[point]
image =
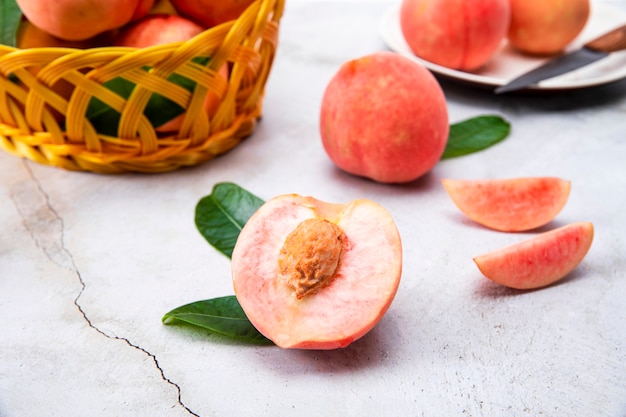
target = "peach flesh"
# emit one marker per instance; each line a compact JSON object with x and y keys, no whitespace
{"x":349,"y":305}
{"x":546,"y":27}
{"x":539,"y":261}
{"x":384,"y":117}
{"x":510,"y":205}
{"x":458,"y":34}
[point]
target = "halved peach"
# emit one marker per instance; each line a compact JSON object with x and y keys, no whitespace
{"x":510,"y":205}
{"x":316,"y":275}
{"x":538,"y":261}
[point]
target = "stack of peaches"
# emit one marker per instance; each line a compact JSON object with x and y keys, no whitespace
{"x":84,"y":24}
{"x":465,"y":34}
{"x":135,"y":23}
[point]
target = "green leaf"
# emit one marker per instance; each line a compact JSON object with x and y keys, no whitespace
{"x":104,"y":118}
{"x":221,"y":215}
{"x":221,"y":315}
{"x":10,"y":17}
{"x":475,"y":134}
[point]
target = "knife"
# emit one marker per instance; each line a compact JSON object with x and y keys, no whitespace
{"x":592,"y":51}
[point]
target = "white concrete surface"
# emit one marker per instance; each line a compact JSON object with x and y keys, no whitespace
{"x":90,"y":263}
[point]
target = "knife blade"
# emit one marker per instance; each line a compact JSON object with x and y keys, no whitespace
{"x":592,"y":51}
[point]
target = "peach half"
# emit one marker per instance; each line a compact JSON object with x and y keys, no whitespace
{"x":316,"y":275}
{"x":540,"y":260}
{"x":512,"y":204}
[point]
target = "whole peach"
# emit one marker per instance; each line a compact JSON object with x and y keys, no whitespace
{"x":77,"y":20}
{"x":30,"y":36}
{"x":211,"y":12}
{"x":458,"y":34}
{"x":545,"y":27}
{"x":384,"y":117}
{"x":158,"y":29}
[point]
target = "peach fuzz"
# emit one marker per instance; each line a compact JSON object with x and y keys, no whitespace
{"x":30,"y":36}
{"x":157,"y":29}
{"x":511,"y":204}
{"x":384,"y":116}
{"x":546,"y":27}
{"x":540,"y":260}
{"x":316,"y":275}
{"x":457,"y":34}
{"x":77,"y":20}
{"x":211,"y":12}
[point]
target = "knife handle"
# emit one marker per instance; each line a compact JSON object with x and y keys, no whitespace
{"x":613,"y":41}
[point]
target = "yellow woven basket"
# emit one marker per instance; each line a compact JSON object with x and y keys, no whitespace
{"x":41,"y":124}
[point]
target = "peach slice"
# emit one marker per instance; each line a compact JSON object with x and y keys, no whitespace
{"x":316,"y":275}
{"x":540,"y":260}
{"x":510,"y":205}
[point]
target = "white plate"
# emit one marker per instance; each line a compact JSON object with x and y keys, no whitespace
{"x":506,"y":64}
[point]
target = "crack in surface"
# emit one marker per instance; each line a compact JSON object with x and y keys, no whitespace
{"x":46,"y":228}
{"x":129,"y":343}
{"x":42,"y":222}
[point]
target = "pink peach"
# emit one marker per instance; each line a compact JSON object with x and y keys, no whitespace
{"x":77,"y":20}
{"x":157,"y":29}
{"x":211,"y":12}
{"x":458,"y":34}
{"x":384,"y":117}
{"x":545,"y":27}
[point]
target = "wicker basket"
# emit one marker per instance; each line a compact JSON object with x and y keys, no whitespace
{"x":39,"y":123}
